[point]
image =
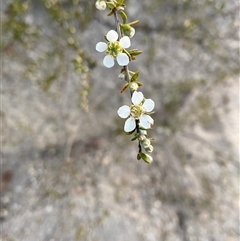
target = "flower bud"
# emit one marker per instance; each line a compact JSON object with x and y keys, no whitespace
{"x":142,"y":137}
{"x":143,"y":132}
{"x":100,"y":5}
{"x":128,"y":30}
{"x":148,"y":158}
{"x":119,"y":8}
{"x":149,"y":149}
{"x":121,"y":76}
{"x":133,"y":86}
{"x":146,"y":143}
{"x":132,"y":32}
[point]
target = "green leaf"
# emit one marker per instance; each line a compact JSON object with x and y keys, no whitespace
{"x":135,"y":137}
{"x":134,"y":52}
{"x":124,"y":87}
{"x":151,"y":112}
{"x":135,"y":76}
{"x":130,"y":133}
{"x":124,"y":16}
{"x":111,"y":12}
{"x":134,"y":22}
{"x":120,"y":2}
{"x":127,"y":53}
{"x":146,"y":158}
{"x":139,"y":156}
{"x":111,"y":5}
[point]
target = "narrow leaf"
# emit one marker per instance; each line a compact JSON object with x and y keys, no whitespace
{"x":135,"y":76}
{"x":110,"y":5}
{"x":111,"y":12}
{"x":120,"y":2}
{"x":139,"y":83}
{"x":124,"y":16}
{"x":139,"y":156}
{"x":124,"y":87}
{"x":134,"y":52}
{"x":135,"y":137}
{"x":134,"y":22}
{"x":130,"y":133}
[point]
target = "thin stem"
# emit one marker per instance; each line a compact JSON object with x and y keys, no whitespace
{"x":120,"y":35}
{"x":138,"y":131}
{"x":117,"y":23}
{"x":127,"y":74}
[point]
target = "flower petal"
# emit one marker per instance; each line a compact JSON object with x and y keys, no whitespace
{"x":124,"y":111}
{"x":122,"y":59}
{"x":132,"y":32}
{"x":148,"y":105}
{"x":108,"y":61}
{"x":125,"y":42}
{"x":137,"y":97}
{"x":130,"y":124}
{"x":101,"y":47}
{"x":146,"y":121}
{"x":112,"y":36}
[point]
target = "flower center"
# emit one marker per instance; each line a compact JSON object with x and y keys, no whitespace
{"x":136,"y":111}
{"x":114,"y":48}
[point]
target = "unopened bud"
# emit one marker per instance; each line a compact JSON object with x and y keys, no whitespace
{"x":132,"y":32}
{"x":142,"y":138}
{"x":146,"y":143}
{"x":143,"y":132}
{"x":100,"y":5}
{"x":148,"y":159}
{"x":121,"y":76}
{"x":133,"y":86}
{"x":128,"y":30}
{"x":149,"y":149}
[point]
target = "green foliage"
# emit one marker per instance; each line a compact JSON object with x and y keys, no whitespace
{"x":144,"y":157}
{"x":49,"y":63}
{"x":14,"y":27}
{"x":124,"y":16}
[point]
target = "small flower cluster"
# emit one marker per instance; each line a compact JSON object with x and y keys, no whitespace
{"x":116,"y":47}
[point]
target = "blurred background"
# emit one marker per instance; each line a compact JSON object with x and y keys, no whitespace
{"x":70,"y":173}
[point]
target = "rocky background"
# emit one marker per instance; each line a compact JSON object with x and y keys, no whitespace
{"x":69,"y":172}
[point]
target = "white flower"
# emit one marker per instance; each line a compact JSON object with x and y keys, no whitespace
{"x":114,"y":49}
{"x":100,"y":5}
{"x":138,"y":111}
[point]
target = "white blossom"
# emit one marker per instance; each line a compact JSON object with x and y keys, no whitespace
{"x":138,"y":111}
{"x":114,"y":49}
